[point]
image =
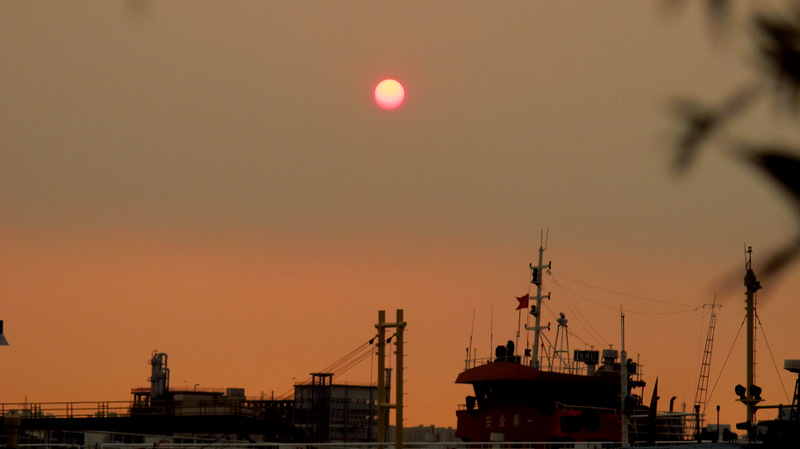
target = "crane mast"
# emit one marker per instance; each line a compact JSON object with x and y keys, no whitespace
{"x":701,"y":395}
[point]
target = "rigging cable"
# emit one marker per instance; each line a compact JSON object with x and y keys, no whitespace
{"x":585,"y":343}
{"x":694,"y":307}
{"x":772,"y":357}
{"x":577,"y":312}
{"x":711,"y":393}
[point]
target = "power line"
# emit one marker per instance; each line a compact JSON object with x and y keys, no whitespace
{"x":777,"y":371}
{"x":344,"y":364}
{"x":711,"y":393}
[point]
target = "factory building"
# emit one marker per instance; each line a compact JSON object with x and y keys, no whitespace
{"x":337,"y":412}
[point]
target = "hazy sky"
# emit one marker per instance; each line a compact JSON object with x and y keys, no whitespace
{"x":214,"y":180}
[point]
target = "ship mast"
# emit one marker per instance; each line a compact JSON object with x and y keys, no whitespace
{"x":623,"y":372}
{"x":752,"y":394}
{"x":536,"y":279}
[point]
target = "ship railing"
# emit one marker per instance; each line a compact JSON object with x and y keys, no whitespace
{"x":113,"y":409}
{"x":346,"y":383}
{"x":560,"y":405}
{"x":410,"y":445}
{"x":699,"y":429}
{"x":557,"y":365}
{"x":670,"y":426}
{"x":102,"y":409}
{"x":566,"y":366}
{"x":564,"y":406}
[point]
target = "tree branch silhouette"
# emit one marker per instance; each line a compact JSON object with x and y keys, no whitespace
{"x":776,"y":35}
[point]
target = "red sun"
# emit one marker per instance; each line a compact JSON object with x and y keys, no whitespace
{"x":389,"y":94}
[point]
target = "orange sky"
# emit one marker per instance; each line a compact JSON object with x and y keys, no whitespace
{"x":215,"y":182}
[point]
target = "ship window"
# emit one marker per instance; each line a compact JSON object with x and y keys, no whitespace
{"x":570,"y":424}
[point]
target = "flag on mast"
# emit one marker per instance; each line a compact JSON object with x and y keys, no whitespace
{"x":523,"y":302}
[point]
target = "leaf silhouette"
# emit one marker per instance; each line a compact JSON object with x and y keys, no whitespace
{"x":700,"y":122}
{"x":779,"y":47}
{"x":782,"y":167}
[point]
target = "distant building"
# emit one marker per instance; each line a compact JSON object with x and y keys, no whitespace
{"x":340,"y":412}
{"x":426,"y":434}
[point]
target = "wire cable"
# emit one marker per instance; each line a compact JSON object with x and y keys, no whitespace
{"x":694,"y":307}
{"x":777,"y":372}
{"x":349,"y":360}
{"x":719,"y":376}
{"x":586,"y":323}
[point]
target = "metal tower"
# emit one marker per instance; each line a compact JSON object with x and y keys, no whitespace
{"x":560,"y":362}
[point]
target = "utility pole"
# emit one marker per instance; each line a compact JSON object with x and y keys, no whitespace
{"x":383,"y":404}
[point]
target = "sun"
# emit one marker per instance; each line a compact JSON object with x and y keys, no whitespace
{"x":389,"y":94}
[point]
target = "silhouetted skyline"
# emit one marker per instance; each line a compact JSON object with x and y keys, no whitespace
{"x":215,"y":181}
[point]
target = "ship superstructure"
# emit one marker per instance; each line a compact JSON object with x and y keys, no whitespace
{"x":549,"y":394}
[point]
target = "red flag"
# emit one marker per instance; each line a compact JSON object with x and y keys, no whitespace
{"x":523,"y":302}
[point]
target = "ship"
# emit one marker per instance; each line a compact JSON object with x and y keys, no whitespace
{"x":553,"y":395}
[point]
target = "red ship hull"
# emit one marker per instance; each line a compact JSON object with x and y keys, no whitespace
{"x":515,"y":402}
{"x":513,"y":424}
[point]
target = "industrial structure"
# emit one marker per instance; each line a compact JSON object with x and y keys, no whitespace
{"x":179,"y":415}
{"x":321,"y":411}
{"x":337,"y":412}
